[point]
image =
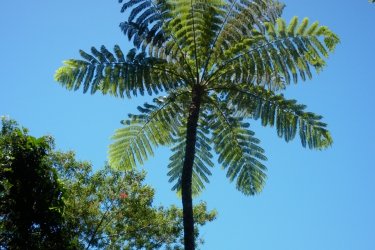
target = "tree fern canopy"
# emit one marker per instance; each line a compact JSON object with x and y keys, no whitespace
{"x":236,"y":56}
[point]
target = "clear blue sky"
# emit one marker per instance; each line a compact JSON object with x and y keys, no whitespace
{"x":312,"y":200}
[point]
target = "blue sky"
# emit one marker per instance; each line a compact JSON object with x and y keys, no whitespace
{"x":313,"y":200}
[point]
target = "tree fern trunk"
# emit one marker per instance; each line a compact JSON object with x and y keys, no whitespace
{"x":187,"y":171}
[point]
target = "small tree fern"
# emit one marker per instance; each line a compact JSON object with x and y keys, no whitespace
{"x":216,"y":64}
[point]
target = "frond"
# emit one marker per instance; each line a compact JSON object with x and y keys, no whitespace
{"x":278,"y":55}
{"x":241,"y":17}
{"x":202,"y":160}
{"x":239,"y":151}
{"x":116,"y":74}
{"x":143,"y":36}
{"x":145,"y":22}
{"x":148,"y":27}
{"x":194,"y":25}
{"x":153,"y":127}
{"x":287,"y":116}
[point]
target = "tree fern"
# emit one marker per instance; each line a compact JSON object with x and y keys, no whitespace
{"x":218,"y":64}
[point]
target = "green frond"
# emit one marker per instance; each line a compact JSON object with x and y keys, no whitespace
{"x":292,"y":26}
{"x":272,"y":57}
{"x":142,"y":36}
{"x":302,"y":27}
{"x":145,"y":22}
{"x":155,"y":126}
{"x":289,"y":117}
{"x":238,"y":150}
{"x":118,"y":76}
{"x":202,"y":160}
{"x":312,"y":29}
{"x":239,"y":21}
{"x":281,"y":27}
{"x":271,"y":30}
{"x":194,"y":25}
{"x":151,"y":27}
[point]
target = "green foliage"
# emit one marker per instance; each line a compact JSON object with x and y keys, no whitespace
{"x":153,"y":127}
{"x":116,"y":74}
{"x":274,"y":110}
{"x":109,"y":209}
{"x":271,"y":57}
{"x":241,"y":54}
{"x":238,"y":150}
{"x":49,"y":200}
{"x":31,"y":207}
{"x":202,"y":159}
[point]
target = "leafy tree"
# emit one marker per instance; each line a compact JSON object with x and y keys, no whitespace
{"x":31,"y":203}
{"x":109,"y":209}
{"x":214,"y":64}
{"x":51,"y":201}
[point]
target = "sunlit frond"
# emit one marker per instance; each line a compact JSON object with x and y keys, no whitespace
{"x":241,"y":17}
{"x":202,"y":160}
{"x":144,"y":25}
{"x":289,"y":117}
{"x":117,"y":74}
{"x":238,"y":150}
{"x":155,"y":126}
{"x":279,"y":54}
{"x":194,"y":26}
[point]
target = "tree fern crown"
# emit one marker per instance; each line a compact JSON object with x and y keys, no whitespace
{"x":241,"y":54}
